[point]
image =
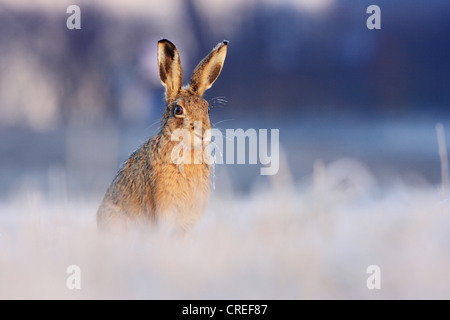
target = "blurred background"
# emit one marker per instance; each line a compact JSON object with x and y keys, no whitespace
{"x":359,"y":173}
{"x":75,"y":103}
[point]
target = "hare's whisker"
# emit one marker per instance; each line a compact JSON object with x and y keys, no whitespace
{"x":218,"y":97}
{"x":153,"y":124}
{"x":216,"y":123}
{"x":219,"y":100}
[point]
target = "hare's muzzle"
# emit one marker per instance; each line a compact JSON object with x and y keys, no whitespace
{"x":201,"y":140}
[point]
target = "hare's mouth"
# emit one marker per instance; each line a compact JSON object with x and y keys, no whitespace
{"x":198,"y":140}
{"x":197,"y":135}
{"x":205,"y":138}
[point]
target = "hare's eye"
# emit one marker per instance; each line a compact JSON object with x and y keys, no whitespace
{"x":178,"y":111}
{"x":209,"y":109}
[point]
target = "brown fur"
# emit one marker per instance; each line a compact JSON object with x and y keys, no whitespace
{"x":149,"y":187}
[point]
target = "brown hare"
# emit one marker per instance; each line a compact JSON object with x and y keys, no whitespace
{"x":151,"y":187}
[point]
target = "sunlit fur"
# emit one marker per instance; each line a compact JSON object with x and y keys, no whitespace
{"x":150,"y":188}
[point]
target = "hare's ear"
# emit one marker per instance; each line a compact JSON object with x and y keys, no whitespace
{"x":170,"y":71}
{"x":208,"y":69}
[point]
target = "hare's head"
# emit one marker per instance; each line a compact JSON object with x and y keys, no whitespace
{"x":185,"y":107}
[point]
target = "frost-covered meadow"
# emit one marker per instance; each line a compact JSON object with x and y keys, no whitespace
{"x":288,"y":237}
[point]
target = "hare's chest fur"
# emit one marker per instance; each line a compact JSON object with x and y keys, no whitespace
{"x":180,"y":193}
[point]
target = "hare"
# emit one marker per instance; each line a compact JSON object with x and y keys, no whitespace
{"x":150,"y":187}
